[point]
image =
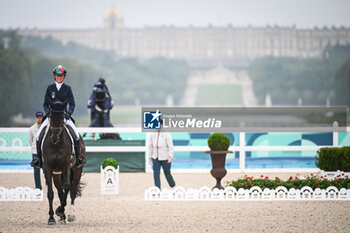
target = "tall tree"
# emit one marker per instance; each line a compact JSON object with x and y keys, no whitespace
{"x":15,"y":84}
{"x":342,"y":84}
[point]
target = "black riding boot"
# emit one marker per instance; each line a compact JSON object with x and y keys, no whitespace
{"x":81,"y":160}
{"x":37,"y":160}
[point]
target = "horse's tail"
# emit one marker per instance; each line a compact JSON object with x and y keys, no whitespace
{"x":77,"y":185}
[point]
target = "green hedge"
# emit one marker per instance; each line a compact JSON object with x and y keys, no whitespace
{"x":333,"y":159}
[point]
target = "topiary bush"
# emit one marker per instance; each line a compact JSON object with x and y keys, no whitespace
{"x":333,"y":159}
{"x":218,"y":142}
{"x":109,"y":162}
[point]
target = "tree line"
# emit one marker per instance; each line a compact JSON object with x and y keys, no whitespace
{"x":313,"y":80}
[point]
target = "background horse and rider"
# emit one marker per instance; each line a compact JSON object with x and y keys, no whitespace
{"x":100,"y":103}
{"x":60,"y":164}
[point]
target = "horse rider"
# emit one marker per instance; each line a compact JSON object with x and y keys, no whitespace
{"x":59,"y":91}
{"x":100,"y":85}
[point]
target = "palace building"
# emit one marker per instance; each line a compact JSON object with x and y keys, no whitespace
{"x":200,"y":46}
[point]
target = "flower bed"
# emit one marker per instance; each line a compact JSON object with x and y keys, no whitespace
{"x":312,"y":181}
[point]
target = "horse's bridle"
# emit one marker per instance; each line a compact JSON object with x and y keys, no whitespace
{"x":57,"y":131}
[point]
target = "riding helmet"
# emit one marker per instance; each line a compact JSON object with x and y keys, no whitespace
{"x":60,"y":70}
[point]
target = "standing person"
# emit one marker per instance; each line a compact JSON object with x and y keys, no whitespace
{"x":32,"y":142}
{"x":59,"y":91}
{"x":160,"y":154}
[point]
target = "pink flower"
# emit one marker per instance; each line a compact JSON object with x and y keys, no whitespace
{"x":251,"y":185}
{"x":291,"y":177}
{"x":321,"y":176}
{"x":262,"y":176}
{"x":236,"y":181}
{"x":342,"y":174}
{"x":266,"y":177}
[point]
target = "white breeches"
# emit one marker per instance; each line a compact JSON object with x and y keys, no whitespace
{"x":68,"y":122}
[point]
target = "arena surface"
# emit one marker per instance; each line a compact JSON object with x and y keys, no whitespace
{"x":128,"y":212}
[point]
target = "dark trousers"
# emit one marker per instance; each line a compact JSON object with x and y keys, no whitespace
{"x":37,"y":177}
{"x":166,"y":168}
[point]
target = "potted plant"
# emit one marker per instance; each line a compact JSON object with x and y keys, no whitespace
{"x":109,"y":177}
{"x":218,"y":144}
{"x":109,"y":162}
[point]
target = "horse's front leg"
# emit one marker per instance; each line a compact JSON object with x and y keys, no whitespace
{"x":50,"y":194}
{"x":63,"y":198}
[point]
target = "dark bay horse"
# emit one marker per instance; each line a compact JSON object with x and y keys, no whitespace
{"x":60,"y":164}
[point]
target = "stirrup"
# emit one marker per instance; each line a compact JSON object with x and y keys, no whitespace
{"x":35,"y":162}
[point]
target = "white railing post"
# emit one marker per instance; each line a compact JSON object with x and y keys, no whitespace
{"x":335,"y":134}
{"x":242,"y":151}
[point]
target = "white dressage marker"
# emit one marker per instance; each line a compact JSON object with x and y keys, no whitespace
{"x":109,"y":181}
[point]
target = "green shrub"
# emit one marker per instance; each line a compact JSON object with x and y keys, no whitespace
{"x":109,"y":162}
{"x":333,"y":159}
{"x":218,"y":142}
{"x":345,"y":160}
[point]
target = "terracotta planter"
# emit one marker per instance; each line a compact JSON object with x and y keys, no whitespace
{"x":218,"y":171}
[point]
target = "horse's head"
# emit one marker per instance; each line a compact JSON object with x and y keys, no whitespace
{"x":100,"y":93}
{"x":57,"y":120}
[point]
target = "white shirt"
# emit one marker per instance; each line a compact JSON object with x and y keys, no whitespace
{"x":160,"y":145}
{"x":32,"y":137}
{"x":58,"y":85}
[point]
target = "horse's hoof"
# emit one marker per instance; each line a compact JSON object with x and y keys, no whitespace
{"x":52,"y":221}
{"x":59,"y":211}
{"x":71,"y":218}
{"x":62,"y":221}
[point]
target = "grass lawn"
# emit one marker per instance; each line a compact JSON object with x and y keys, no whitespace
{"x":219,"y":95}
{"x":120,"y":116}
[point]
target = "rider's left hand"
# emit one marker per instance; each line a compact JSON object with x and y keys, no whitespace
{"x":67,"y":115}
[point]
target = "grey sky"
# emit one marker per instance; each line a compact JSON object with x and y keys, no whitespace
{"x":138,"y":13}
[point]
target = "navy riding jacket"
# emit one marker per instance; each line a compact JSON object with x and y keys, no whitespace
{"x":65,"y":93}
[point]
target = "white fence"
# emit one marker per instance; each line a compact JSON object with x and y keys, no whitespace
{"x":253,"y":194}
{"x":242,"y":148}
{"x":20,"y":194}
